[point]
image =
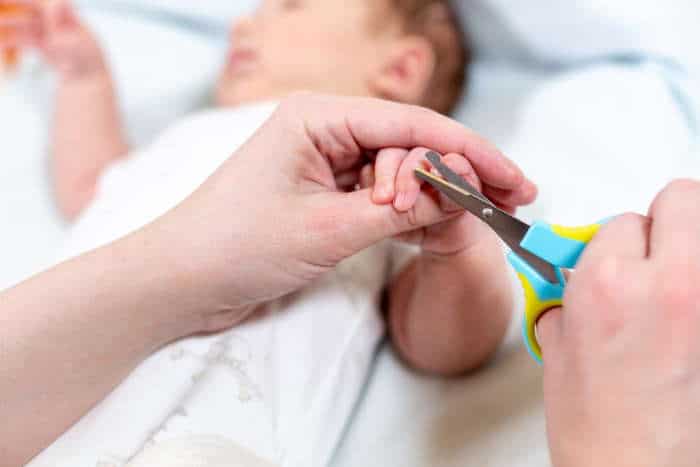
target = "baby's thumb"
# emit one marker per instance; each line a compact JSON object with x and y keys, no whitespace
{"x":549,"y":329}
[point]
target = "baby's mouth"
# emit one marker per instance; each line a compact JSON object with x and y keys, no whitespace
{"x":242,"y":60}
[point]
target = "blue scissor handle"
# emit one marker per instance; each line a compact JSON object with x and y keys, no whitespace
{"x":560,"y":246}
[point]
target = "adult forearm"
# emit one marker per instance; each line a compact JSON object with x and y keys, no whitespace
{"x":87,"y":137}
{"x":448,"y":314}
{"x":70,"y":335}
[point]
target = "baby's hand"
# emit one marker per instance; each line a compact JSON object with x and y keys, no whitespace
{"x":394,"y":182}
{"x":53,"y":27}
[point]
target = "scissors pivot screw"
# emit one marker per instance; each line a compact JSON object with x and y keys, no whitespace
{"x":487,"y":213}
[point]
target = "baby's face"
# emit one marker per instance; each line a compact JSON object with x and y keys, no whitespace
{"x":293,"y":45}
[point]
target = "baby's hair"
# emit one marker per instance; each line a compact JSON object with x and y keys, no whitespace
{"x":437,"y":22}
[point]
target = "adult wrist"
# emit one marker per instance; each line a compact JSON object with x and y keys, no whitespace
{"x":162,"y":295}
{"x":199,"y":286}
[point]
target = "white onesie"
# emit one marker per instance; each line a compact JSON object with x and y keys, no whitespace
{"x":280,"y":390}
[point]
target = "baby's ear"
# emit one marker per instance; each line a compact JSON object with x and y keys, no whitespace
{"x":406,"y":71}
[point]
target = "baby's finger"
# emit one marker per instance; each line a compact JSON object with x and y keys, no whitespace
{"x":25,"y":36}
{"x":386,"y":169}
{"x":65,"y":15}
{"x":407,"y":184}
{"x":462,"y":167}
{"x":58,"y":15}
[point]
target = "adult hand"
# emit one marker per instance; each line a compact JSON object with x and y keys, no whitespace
{"x":622,"y":360}
{"x":276,"y":215}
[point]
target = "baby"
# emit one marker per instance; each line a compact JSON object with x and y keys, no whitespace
{"x":447,"y":309}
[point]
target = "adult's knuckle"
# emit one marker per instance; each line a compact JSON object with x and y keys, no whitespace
{"x":601,"y":287}
{"x":605,"y":279}
{"x":677,"y":290}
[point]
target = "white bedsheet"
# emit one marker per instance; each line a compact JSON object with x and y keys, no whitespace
{"x":30,"y":229}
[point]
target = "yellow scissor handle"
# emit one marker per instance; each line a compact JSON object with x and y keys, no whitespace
{"x":540,"y":297}
{"x":535,"y":307}
{"x":559,"y":246}
{"x":582,"y":234}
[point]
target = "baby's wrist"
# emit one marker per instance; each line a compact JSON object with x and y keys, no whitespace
{"x":84,"y":75}
{"x":95,"y":84}
{"x":448,"y":257}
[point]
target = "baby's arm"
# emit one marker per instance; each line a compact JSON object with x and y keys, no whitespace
{"x":450,"y":308}
{"x":87,"y":136}
{"x":447,"y":315}
{"x":87,"y":133}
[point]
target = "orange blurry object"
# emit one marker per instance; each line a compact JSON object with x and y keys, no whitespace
{"x":9,"y":58}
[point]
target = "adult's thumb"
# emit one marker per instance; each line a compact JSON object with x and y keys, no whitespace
{"x":362,"y":223}
{"x":549,"y":332}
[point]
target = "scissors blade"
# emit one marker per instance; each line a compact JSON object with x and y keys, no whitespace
{"x":454,"y":178}
{"x":511,"y":230}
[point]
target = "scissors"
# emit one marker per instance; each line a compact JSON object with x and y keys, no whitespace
{"x":538,"y":251}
